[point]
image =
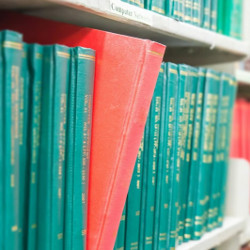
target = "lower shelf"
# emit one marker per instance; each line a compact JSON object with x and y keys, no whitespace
{"x":230,"y":228}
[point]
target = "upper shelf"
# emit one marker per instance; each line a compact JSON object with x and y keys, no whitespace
{"x":186,"y":43}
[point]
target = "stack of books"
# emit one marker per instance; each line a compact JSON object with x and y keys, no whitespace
{"x":222,"y":16}
{"x":46,"y":113}
{"x":240,"y":145}
{"x":177,"y":190}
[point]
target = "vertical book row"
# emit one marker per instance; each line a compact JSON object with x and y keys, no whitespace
{"x":45,"y":113}
{"x":177,"y":190}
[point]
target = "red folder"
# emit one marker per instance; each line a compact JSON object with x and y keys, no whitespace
{"x":126,"y":73}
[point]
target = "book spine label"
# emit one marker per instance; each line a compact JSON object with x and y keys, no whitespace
{"x":158,"y":6}
{"x":134,"y":202}
{"x":206,"y":14}
{"x":61,"y":83}
{"x":214,"y":15}
{"x":12,"y":58}
{"x":178,"y":157}
{"x":207,"y":148}
{"x":35,"y":57}
{"x":153,"y":150}
{"x":44,"y":173}
{"x":84,"y":102}
{"x":171,"y":73}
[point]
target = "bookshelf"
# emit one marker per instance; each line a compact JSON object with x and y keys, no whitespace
{"x":186,"y":43}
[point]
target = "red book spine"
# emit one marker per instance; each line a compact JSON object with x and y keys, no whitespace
{"x":235,"y":147}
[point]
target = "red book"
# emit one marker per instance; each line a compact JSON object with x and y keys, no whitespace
{"x":126,"y":73}
{"x":243,"y":127}
{"x":235,"y":143}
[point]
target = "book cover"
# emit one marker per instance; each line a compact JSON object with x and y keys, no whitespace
{"x":122,"y":95}
{"x":12,"y":60}
{"x":35,"y":58}
{"x":152,"y":163}
{"x":168,"y":129}
{"x":194,"y":160}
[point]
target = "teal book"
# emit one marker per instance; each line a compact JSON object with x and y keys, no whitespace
{"x":196,"y":12}
{"x":169,"y":7}
{"x":236,"y":19}
{"x":224,"y":169}
{"x":210,"y":109}
{"x":70,"y":151}
{"x":220,"y":16}
{"x":12,"y":61}
{"x":44,"y":233}
{"x":161,"y":152}
{"x":175,"y":167}
{"x":23,"y":130}
{"x":139,"y":3}
{"x":85,"y":65}
{"x":134,"y":202}
{"x":194,"y":157}
{"x":167,"y":137}
{"x":228,"y":10}
{"x":214,"y":15}
{"x":188,"y":13}
{"x":190,"y":98}
{"x":121,"y":235}
{"x":59,"y":111}
{"x":152,"y":164}
{"x":144,"y":182}
{"x":35,"y":58}
{"x":158,"y":6}
{"x":206,"y":17}
{"x":1,"y":148}
{"x":175,"y":10}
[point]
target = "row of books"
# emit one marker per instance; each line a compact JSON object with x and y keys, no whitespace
{"x":222,"y":16}
{"x":177,"y":190}
{"x":45,"y":113}
{"x":122,"y":93}
{"x":240,"y":132}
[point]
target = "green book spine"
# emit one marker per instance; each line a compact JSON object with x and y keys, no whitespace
{"x":134,"y":203}
{"x":186,"y":107}
{"x":228,"y":10}
{"x":236,"y":19}
{"x":158,"y":6}
{"x":12,"y":59}
{"x":175,"y":11}
{"x":159,"y":174}
{"x":61,"y":84}
{"x":167,"y":134}
{"x":190,"y":97}
{"x":153,"y":150}
{"x":217,"y":155}
{"x":169,"y":7}
{"x":121,"y":236}
{"x":188,"y":13}
{"x":194,"y":160}
{"x":84,"y":99}
{"x":207,"y":148}
{"x":44,"y":173}
{"x":35,"y":58}
{"x":206,"y":14}
{"x":23,"y":125}
{"x":196,"y":12}
{"x":175,"y":168}
{"x":223,"y":174}
{"x":220,"y":16}
{"x":70,"y":151}
{"x":214,"y":15}
{"x":144,"y":183}
{"x":139,"y":3}
{"x":1,"y":150}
